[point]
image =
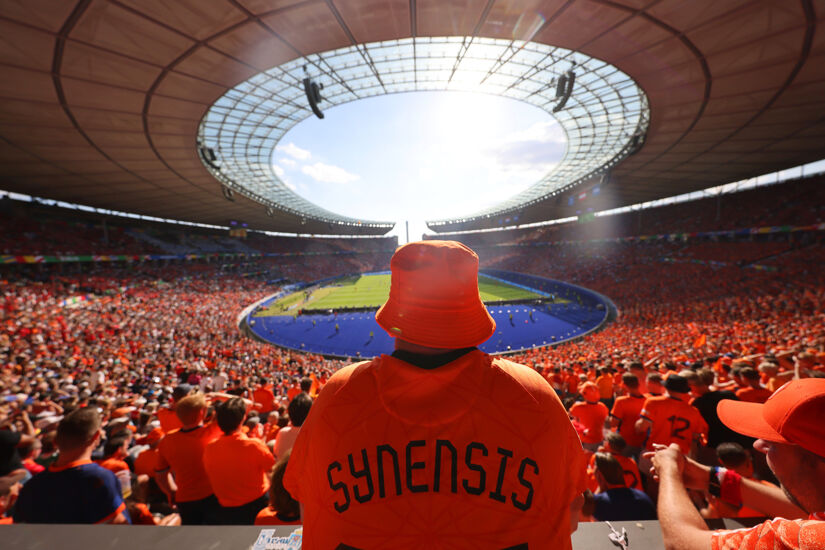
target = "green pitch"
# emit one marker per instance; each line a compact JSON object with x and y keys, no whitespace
{"x":372,"y":291}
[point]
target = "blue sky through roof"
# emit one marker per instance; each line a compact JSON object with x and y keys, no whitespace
{"x":419,"y":156}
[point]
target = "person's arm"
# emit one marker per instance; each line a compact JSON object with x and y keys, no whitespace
{"x":167,"y":485}
{"x":682,"y":526}
{"x":643,"y":425}
{"x":28,"y":428}
{"x":120,"y":519}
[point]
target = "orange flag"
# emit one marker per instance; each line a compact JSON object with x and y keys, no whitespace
{"x":313,"y":390}
{"x":701,"y":341}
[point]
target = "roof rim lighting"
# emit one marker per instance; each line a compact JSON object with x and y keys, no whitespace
{"x":605,"y":118}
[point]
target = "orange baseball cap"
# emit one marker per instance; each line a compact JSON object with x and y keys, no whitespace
{"x":792,"y":415}
{"x":434,"y":299}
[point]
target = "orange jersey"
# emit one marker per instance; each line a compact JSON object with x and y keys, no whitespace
{"x":182,"y":451}
{"x":479,"y":450}
{"x":753,"y":395}
{"x":168,"y":420}
{"x":674,"y":421}
{"x":592,"y":416}
{"x":605,"y":384}
{"x":238,"y":468}
{"x":778,"y":534}
{"x":264,"y":397}
{"x":627,"y":410}
{"x":146,"y":462}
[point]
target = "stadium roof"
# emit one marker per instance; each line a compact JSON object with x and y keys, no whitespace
{"x":102,"y":101}
{"x":601,"y":120}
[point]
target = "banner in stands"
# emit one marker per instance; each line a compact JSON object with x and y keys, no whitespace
{"x":23,"y":259}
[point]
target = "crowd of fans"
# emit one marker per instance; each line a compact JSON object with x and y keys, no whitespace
{"x":150,"y":368}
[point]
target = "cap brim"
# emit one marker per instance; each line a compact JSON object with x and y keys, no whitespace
{"x":747,"y":419}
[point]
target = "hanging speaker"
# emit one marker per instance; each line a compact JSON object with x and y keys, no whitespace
{"x":228,"y":193}
{"x":269,"y":211}
{"x":313,"y":92}
{"x":566,"y":81}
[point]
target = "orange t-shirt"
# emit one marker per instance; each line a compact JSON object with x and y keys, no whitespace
{"x":168,"y":420}
{"x":478,"y":451}
{"x":674,"y":421}
{"x":238,"y":468}
{"x":146,"y":462}
{"x":605,"y":384}
{"x":753,"y":395}
{"x":777,"y":534}
{"x":592,"y":416}
{"x":626,"y":410}
{"x":182,"y":451}
{"x":269,"y":516}
{"x":265,"y":398}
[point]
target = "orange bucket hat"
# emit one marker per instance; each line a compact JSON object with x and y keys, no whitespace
{"x":434,"y":299}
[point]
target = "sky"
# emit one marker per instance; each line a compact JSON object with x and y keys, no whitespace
{"x":418,"y":156}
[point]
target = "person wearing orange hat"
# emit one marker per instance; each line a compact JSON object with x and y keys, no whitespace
{"x":592,"y":414}
{"x":438,"y":442}
{"x":791,"y":433}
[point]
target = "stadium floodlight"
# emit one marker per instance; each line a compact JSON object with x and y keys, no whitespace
{"x":270,"y":212}
{"x":313,"y":93}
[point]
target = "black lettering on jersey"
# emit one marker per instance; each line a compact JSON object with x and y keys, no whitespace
{"x":496,"y":495}
{"x":422,"y":488}
{"x":522,"y":546}
{"x":482,"y":475}
{"x":439,"y":444}
{"x":340,"y":508}
{"x":528,"y":500}
{"x":365,"y":473}
{"x":396,"y":471}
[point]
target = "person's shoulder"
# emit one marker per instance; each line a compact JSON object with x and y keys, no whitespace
{"x":524,"y":375}
{"x":344,"y":374}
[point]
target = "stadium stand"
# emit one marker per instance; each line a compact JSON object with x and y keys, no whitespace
{"x":120,"y":336}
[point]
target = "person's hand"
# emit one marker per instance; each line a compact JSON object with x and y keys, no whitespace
{"x":666,"y":460}
{"x":669,"y":459}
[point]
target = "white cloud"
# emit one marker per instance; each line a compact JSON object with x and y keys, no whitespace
{"x":288,"y":162}
{"x":543,"y":132}
{"x":294,"y":151}
{"x":278,"y":171}
{"x":327,"y":173}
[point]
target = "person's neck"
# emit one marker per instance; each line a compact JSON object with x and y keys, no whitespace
{"x":74,"y":455}
{"x":421,"y":350}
